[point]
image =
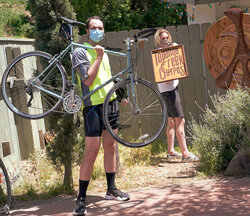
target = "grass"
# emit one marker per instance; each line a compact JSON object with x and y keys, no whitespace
{"x":39,"y":178}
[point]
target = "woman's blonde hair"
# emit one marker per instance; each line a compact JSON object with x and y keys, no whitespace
{"x":158,"y":34}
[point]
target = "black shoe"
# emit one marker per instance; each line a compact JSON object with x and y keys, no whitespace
{"x":116,"y":194}
{"x":80,"y":207}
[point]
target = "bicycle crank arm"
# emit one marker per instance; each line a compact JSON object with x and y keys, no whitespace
{"x":76,"y":120}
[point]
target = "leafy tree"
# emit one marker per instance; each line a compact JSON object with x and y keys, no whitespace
{"x":65,"y":148}
{"x":130,"y":14}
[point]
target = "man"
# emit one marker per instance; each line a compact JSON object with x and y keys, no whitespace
{"x":93,"y":68}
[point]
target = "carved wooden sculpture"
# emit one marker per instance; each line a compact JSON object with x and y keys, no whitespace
{"x":227,"y":49}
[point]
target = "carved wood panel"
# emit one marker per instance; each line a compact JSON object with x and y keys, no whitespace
{"x":227,"y":49}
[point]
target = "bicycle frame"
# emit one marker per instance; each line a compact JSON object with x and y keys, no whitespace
{"x":70,"y":48}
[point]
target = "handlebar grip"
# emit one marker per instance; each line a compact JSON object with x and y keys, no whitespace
{"x":150,"y":32}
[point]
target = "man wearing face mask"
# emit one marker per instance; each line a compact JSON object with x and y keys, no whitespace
{"x":176,"y":121}
{"x":92,"y":66}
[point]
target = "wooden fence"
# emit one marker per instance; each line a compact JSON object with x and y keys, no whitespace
{"x":18,"y":137}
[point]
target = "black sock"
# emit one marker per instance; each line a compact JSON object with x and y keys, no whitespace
{"x":83,"y":185}
{"x":110,"y":180}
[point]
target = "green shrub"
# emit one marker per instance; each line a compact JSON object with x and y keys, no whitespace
{"x":14,"y":19}
{"x":223,"y":132}
{"x":18,"y":25}
{"x":38,"y":178}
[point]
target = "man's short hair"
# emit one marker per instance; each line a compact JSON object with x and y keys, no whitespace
{"x":93,"y":17}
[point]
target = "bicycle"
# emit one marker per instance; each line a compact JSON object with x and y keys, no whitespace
{"x":35,"y":84}
{"x":5,"y":190}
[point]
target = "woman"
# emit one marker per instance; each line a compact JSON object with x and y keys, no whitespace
{"x":176,"y":121}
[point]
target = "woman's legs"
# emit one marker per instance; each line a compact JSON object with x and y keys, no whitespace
{"x":180,"y":134}
{"x":170,"y":135}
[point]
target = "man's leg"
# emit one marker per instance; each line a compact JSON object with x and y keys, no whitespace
{"x":109,"y":146}
{"x":92,"y":146}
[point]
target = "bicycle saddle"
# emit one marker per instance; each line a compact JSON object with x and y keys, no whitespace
{"x":71,"y":22}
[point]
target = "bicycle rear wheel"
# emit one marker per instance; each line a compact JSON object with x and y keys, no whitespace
{"x":5,"y":190}
{"x":23,"y":94}
{"x":142,"y":119}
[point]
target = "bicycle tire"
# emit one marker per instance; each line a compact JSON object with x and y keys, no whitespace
{"x":5,"y":190}
{"x":17,"y":90}
{"x":136,"y":129}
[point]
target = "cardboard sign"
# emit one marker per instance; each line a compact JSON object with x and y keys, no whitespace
{"x":169,"y":63}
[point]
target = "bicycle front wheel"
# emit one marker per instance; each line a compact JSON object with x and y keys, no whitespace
{"x":142,"y":113}
{"x":25,"y":94}
{"x":5,"y":190}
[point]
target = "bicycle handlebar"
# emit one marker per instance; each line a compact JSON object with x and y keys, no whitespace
{"x":146,"y":33}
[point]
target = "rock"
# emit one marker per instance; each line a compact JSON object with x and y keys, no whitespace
{"x":239,"y":165}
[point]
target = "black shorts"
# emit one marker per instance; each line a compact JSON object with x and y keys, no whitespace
{"x":93,"y":120}
{"x":173,"y":101}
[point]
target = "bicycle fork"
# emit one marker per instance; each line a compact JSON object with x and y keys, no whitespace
{"x":131,"y":89}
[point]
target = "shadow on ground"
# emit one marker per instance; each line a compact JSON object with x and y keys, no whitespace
{"x":229,"y":196}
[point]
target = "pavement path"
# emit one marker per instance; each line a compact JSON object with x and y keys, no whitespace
{"x":225,"y":197}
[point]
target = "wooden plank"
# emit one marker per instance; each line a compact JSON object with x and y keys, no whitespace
{"x":173,"y":32}
{"x":122,"y":35}
{"x":2,"y":60}
{"x":148,"y":65}
{"x":23,"y":126}
{"x":16,"y":51}
{"x":197,"y":68}
{"x":113,"y":41}
{"x":211,"y":87}
{"x":6,"y":148}
{"x":18,"y":67}
{"x":9,"y":54}
{"x":82,"y":39}
{"x":41,"y":139}
{"x":187,"y":86}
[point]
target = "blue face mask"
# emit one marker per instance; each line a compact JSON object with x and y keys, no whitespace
{"x":96,"y":35}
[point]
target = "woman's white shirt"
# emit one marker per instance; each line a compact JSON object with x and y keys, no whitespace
{"x":168,"y":85}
